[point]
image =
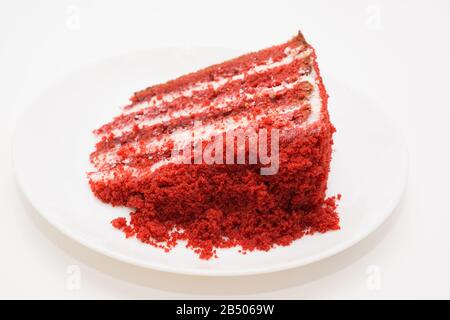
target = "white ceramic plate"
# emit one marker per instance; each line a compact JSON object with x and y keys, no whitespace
{"x":53,"y":142}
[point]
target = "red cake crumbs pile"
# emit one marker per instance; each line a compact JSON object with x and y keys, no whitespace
{"x":214,"y":229}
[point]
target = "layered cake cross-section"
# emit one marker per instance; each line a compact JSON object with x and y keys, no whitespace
{"x":236,"y":154}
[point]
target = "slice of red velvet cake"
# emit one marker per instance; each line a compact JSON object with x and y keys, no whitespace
{"x":236,"y":154}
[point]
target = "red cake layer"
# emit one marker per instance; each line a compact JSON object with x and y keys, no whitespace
{"x":222,"y":204}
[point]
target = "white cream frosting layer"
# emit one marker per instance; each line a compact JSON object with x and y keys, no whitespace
{"x":197,"y":109}
{"x":181,"y":136}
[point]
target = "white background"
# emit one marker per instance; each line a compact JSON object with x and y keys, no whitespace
{"x":396,"y":52}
